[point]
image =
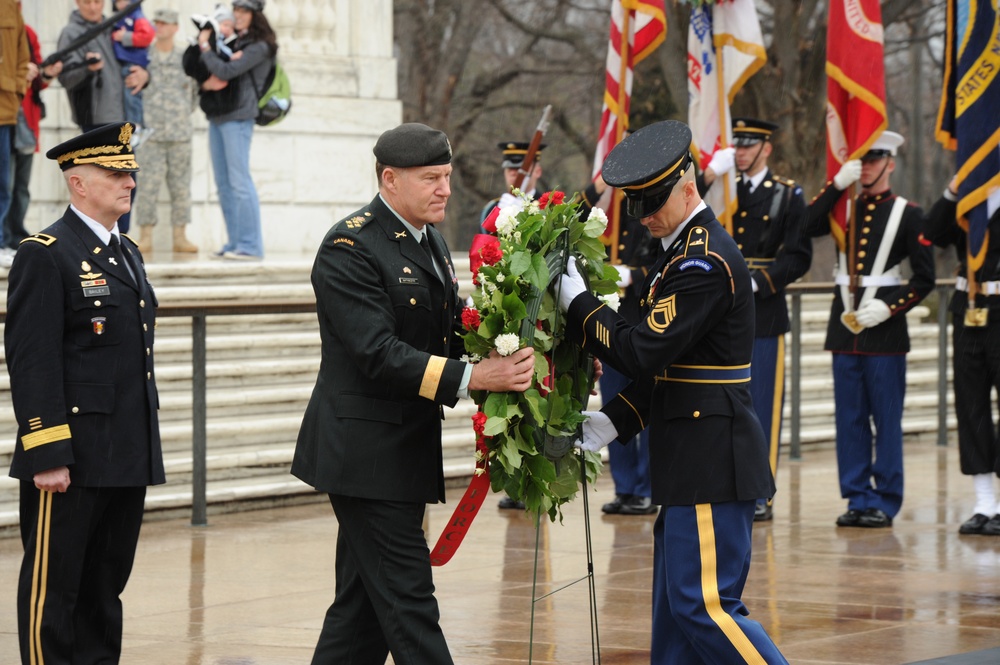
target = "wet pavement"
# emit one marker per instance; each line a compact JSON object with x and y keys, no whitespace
{"x":252,"y":587}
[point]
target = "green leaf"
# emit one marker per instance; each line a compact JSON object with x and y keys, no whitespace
{"x":537,"y":405}
{"x":519,"y":263}
{"x":495,"y":425}
{"x":496,"y":405}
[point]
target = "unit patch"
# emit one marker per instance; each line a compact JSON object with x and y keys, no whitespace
{"x":662,"y":314}
{"x":98,"y":323}
{"x":696,"y":263}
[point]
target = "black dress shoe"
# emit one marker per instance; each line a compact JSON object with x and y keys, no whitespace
{"x":508,"y":503}
{"x":615,"y":507}
{"x":850,"y":518}
{"x":992,"y":528}
{"x":762,"y":512}
{"x":974,"y":525}
{"x":873,"y":518}
{"x":637,"y":505}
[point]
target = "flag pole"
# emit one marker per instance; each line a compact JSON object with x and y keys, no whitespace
{"x":614,"y":212}
{"x":726,"y":217}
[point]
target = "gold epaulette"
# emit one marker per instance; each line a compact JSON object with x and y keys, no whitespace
{"x":787,"y":182}
{"x":43,"y":238}
{"x":131,"y":239}
{"x":357,"y":221}
{"x":697,"y":242}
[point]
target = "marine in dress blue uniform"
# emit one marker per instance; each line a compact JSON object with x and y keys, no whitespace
{"x":389,"y":313}
{"x":79,"y":341}
{"x":769,"y":229}
{"x":867,"y":333}
{"x":637,"y":251}
{"x":975,"y":359}
{"x":690,"y":362}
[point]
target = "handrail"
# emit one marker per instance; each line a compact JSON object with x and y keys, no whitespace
{"x":199,"y":311}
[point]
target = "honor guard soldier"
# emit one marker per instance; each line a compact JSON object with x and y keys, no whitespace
{"x":636,"y":252}
{"x":689,"y":359}
{"x":975,"y":357}
{"x":390,"y":325}
{"x":867,"y":330}
{"x":79,"y":340}
{"x":512,"y":157}
{"x":769,"y":229}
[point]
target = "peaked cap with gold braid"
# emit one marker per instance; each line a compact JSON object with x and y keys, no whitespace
{"x":108,"y":147}
{"x":648,"y":163}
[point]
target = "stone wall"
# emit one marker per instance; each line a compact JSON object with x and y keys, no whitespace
{"x":311,"y":169}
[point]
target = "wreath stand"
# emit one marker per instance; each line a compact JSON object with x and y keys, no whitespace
{"x":556,"y":262}
{"x":595,"y":638}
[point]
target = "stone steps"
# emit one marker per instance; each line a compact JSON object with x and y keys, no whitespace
{"x":261,"y":370}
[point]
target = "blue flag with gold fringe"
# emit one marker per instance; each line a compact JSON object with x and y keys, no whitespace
{"x":969,"y":116}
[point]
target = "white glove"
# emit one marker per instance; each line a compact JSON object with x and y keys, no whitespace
{"x":722,"y":161}
{"x":598,"y":431}
{"x":753,"y":283}
{"x":507,"y":200}
{"x":624,"y":276}
{"x":872,"y":313}
{"x":570,"y":284}
{"x":848,"y":174}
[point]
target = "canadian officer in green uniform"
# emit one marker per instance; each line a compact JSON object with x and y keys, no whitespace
{"x":689,"y":360}
{"x":79,"y":341}
{"x":769,"y":230}
{"x":390,"y":319}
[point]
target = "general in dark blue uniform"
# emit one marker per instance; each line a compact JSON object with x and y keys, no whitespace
{"x":79,"y":341}
{"x":975,"y":358}
{"x":689,"y":360}
{"x":867,"y":330}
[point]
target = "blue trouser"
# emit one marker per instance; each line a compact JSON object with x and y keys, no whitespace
{"x":6,"y":148}
{"x":869,"y":389}
{"x":133,"y":103}
{"x":629,"y":462}
{"x":767,"y":388}
{"x":701,"y":557}
{"x":229,"y":145}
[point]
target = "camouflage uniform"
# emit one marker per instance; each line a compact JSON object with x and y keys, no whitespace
{"x":166,"y":154}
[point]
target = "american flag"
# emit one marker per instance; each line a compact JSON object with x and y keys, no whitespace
{"x":637,"y":28}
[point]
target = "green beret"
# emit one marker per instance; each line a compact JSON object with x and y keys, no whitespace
{"x":413,"y":144}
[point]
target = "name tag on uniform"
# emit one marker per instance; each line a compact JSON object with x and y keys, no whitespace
{"x":409,"y":280}
{"x":97,"y":291}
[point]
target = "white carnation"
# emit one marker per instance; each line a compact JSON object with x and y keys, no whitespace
{"x":598,"y":213}
{"x":534,"y":208}
{"x":500,"y":278}
{"x":507,"y":343}
{"x":507,"y":220}
{"x":612,"y":300}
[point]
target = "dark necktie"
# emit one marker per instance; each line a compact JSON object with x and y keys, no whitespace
{"x":116,"y":251}
{"x":744,"y":187}
{"x":426,"y":244}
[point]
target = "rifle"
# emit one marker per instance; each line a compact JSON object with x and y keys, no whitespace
{"x":529,"y":158}
{"x":89,"y":34}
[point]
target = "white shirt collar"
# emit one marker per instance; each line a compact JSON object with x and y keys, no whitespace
{"x":99,"y":229}
{"x":754,"y":181}
{"x":669,"y":240}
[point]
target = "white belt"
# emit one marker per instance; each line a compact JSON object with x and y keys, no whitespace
{"x":987,"y":288}
{"x":865,"y":281}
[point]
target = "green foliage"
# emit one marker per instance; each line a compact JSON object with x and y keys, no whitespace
{"x":515,"y":297}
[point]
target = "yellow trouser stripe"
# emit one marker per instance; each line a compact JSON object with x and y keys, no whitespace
{"x":40,"y":578}
{"x":432,"y":376}
{"x":779,"y":393}
{"x":47,"y":435}
{"x":710,"y":589}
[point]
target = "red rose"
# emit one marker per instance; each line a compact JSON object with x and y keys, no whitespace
{"x":491,"y":253}
{"x":470,"y":318}
{"x":555,"y":198}
{"x":479,"y":423}
{"x":479,"y":241}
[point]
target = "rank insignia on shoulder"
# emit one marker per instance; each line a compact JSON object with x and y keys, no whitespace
{"x":355,"y":222}
{"x":43,"y":238}
{"x":696,"y":263}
